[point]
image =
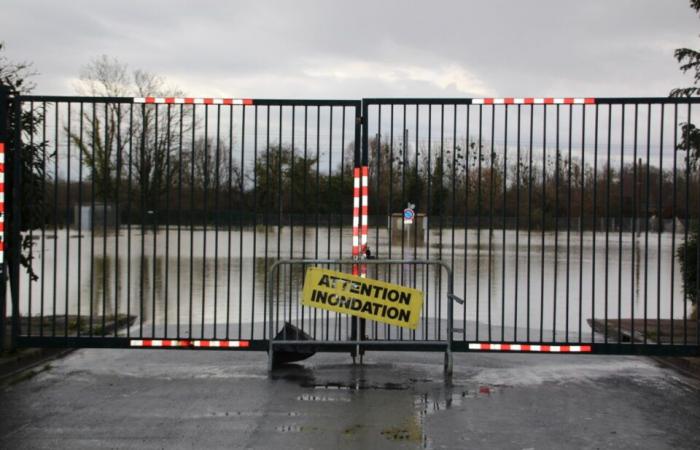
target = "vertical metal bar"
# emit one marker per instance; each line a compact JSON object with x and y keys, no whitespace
{"x":557,"y":160}
{"x":568,"y":227}
{"x":279,"y":207}
{"x":529,"y":217}
{"x":180,"y":164}
{"x":43,"y":222}
{"x":129,"y":219}
{"x":342,"y":199}
{"x":242,"y":206}
{"x":686,"y":229}
{"x":673,"y":216}
{"x":427,"y":212}
{"x":647,"y":193}
{"x":117,"y":225}
{"x":291,"y":212}
{"x":229,"y":220}
{"x":306,"y":170}
{"x":454,"y":205}
{"x":492,"y":153}
{"x":595,"y":219}
{"x":479,"y":158}
{"x":80,"y":219}
{"x":193,"y":157}
{"x":217,"y":215}
{"x":619,"y":244}
{"x":438,"y":301}
{"x":32,"y":124}
{"x":466,"y":226}
{"x":142,"y":207}
{"x":106,"y":194}
{"x":268,"y":205}
{"x":318,"y":198}
{"x":607,"y":217}
{"x":503,"y":224}
{"x":55,"y":218}
{"x":634,"y":269}
{"x":390,"y":208}
{"x":581,"y":223}
{"x":426,"y":305}
{"x":697,"y":265}
{"x":364,"y":202}
{"x":660,"y":227}
{"x":544,"y":222}
{"x":67,"y":280}
{"x":329,"y":194}
{"x":167,"y":189}
{"x":404,"y":163}
{"x":205,"y":217}
{"x":517,"y":228}
{"x":255,"y":224}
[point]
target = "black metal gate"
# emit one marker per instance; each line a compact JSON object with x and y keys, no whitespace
{"x":154,"y":220}
{"x":570,"y":224}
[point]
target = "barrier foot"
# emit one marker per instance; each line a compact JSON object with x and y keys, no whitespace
{"x":270,"y":359}
{"x":448,"y":364}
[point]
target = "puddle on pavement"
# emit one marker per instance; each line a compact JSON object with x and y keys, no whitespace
{"x":428,"y":403}
{"x":321,"y":398}
{"x":294,"y":428}
{"x":425,"y":397}
{"x":361,"y":385}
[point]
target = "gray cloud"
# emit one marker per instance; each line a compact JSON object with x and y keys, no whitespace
{"x":363,"y":48}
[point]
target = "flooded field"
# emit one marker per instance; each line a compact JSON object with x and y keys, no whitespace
{"x":216,"y":279}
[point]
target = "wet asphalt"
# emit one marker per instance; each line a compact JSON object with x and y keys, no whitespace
{"x":216,"y":399}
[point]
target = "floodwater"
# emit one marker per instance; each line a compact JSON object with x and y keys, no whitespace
{"x":176,"y":277}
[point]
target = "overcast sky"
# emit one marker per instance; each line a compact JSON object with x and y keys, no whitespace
{"x":355,"y":49}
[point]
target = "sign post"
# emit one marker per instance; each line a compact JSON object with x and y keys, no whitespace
{"x":408,"y":216}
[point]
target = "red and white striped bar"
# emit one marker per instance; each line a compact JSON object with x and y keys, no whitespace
{"x":356,"y":213}
{"x":221,"y":344}
{"x":193,"y":101}
{"x":160,"y":343}
{"x":363,"y":216}
{"x":187,"y":343}
{"x":534,"y":101}
{"x":2,"y":202}
{"x":482,"y":346}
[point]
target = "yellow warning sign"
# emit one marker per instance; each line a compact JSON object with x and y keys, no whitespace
{"x":362,"y":297}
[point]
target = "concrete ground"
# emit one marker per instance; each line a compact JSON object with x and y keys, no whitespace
{"x":217,"y":399}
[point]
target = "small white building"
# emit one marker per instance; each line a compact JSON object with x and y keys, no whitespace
{"x":103,"y":214}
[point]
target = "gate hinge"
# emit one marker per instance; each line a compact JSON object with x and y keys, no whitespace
{"x":360,"y":120}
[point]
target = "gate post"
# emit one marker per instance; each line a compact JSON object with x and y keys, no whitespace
{"x":4,"y":138}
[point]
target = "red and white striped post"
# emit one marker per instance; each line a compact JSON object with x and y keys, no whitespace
{"x":4,"y":137}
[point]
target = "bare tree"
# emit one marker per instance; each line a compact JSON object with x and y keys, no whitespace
{"x":17,"y":77}
{"x":123,"y":138}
